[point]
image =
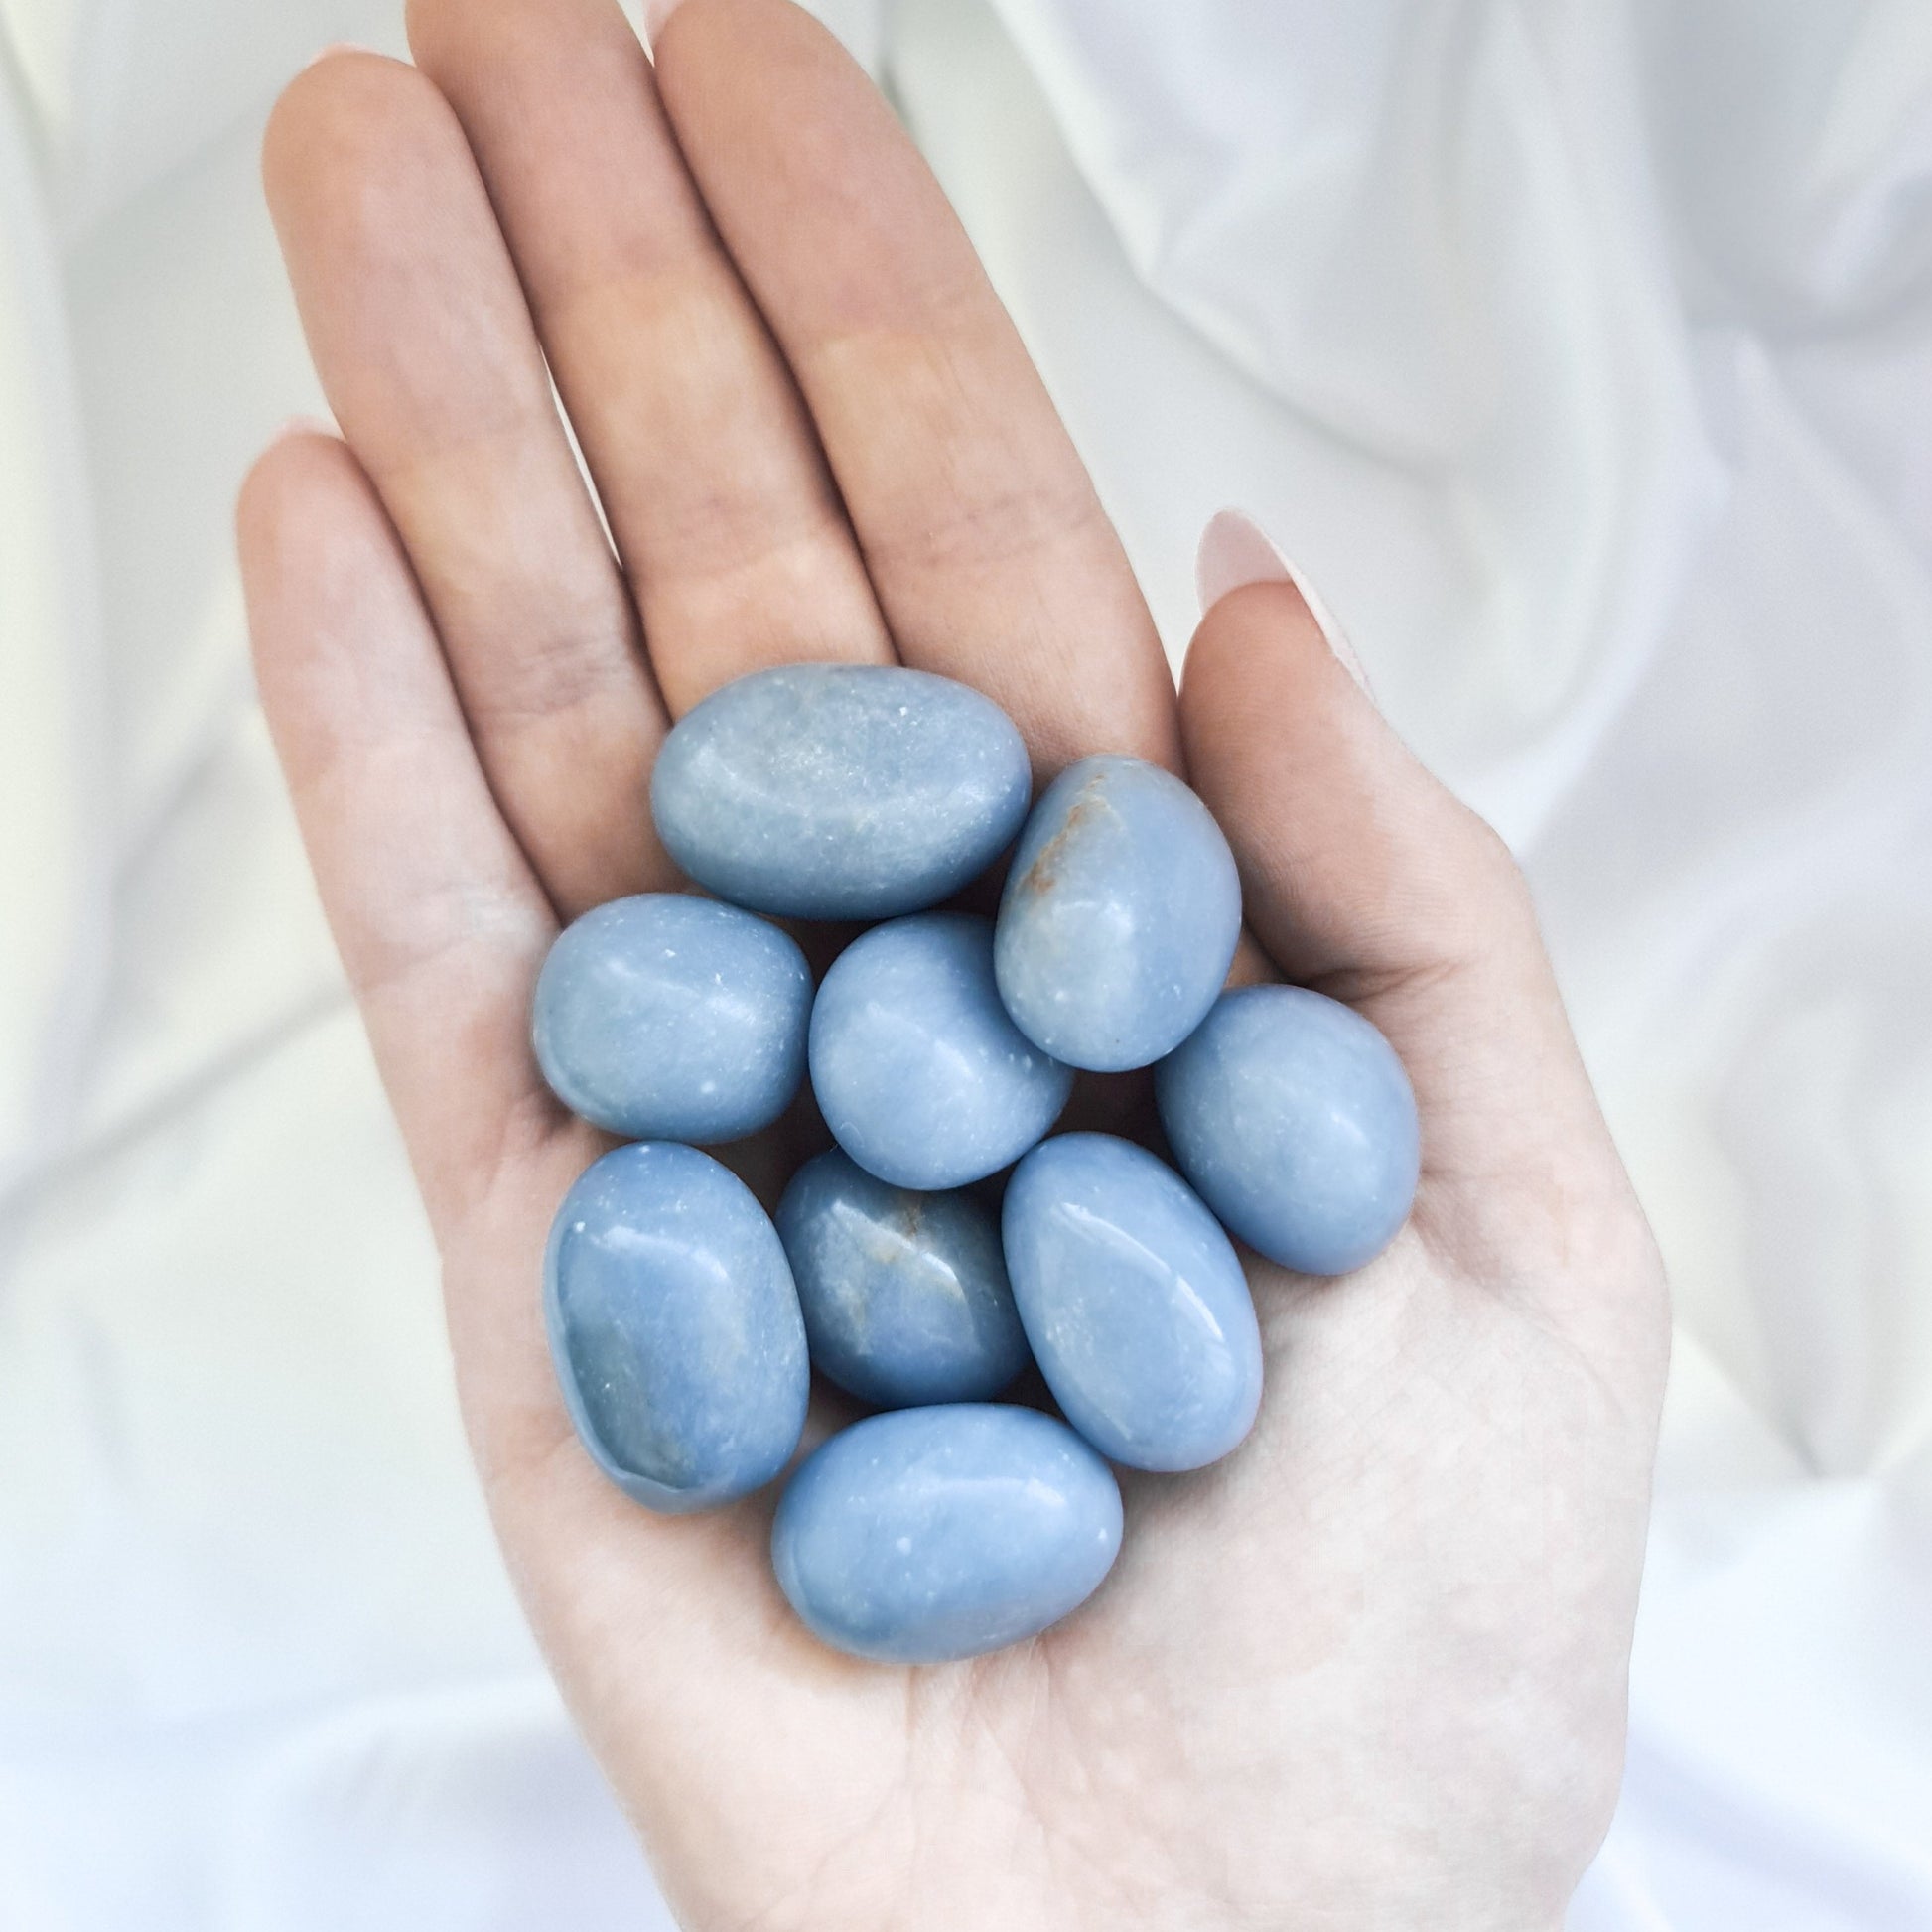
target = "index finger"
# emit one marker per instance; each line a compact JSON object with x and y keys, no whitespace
{"x":990,"y":552}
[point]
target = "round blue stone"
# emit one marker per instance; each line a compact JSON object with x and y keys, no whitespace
{"x":1294,"y":1118}
{"x":674,"y":1327}
{"x":925,"y":1535}
{"x":904,"y":1294}
{"x":1119,"y":916}
{"x":840,"y":791}
{"x":669,"y":1017}
{"x":1133,"y":1302}
{"x":921,"y":1075}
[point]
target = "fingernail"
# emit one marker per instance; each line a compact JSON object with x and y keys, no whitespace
{"x":306,"y":426}
{"x":338,"y":47}
{"x":656,"y":13}
{"x":1235,"y":551}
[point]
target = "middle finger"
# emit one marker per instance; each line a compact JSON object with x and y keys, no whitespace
{"x":719,"y":500}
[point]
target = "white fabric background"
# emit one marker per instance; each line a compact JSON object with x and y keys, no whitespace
{"x":1580,"y":350}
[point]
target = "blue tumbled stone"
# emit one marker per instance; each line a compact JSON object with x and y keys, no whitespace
{"x":668,"y":1018}
{"x":921,"y":1075}
{"x":1294,"y":1118}
{"x":904,"y":1294}
{"x":1119,"y":917}
{"x":840,"y":791}
{"x":674,"y":1327}
{"x":925,"y":1535}
{"x":1133,"y":1302}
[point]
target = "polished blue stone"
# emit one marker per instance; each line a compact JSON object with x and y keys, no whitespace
{"x":1119,"y":917}
{"x":668,"y":1018}
{"x":1134,"y":1301}
{"x":925,"y":1535}
{"x":904,"y":1294}
{"x":1294,"y":1118}
{"x":840,"y":791}
{"x":674,"y":1327}
{"x":921,"y":1075}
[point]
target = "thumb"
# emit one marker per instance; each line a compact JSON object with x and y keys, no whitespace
{"x":1366,"y":879}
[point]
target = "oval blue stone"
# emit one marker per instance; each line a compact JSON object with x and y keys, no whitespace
{"x":921,"y":1075}
{"x":1133,"y":1302}
{"x":904,"y":1294}
{"x":840,"y":791}
{"x":665,"y":1016}
{"x":674,"y":1327}
{"x":1119,"y":916}
{"x":1294,"y":1118}
{"x":925,"y":1535}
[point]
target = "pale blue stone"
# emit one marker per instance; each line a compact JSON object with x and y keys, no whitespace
{"x":1294,"y":1118}
{"x":921,"y":1075}
{"x":840,"y":791}
{"x":925,"y":1535}
{"x":1133,"y":1302}
{"x":1120,"y":918}
{"x":669,"y":1017}
{"x":904,"y":1294}
{"x":674,"y":1327}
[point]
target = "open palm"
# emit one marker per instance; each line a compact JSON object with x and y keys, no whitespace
{"x":1367,"y":1673}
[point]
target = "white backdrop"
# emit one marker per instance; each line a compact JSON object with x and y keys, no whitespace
{"x":1581,"y":351}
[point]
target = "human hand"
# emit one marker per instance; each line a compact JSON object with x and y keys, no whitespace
{"x":1369,"y":1672}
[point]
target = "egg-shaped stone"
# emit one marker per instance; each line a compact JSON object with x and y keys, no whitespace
{"x":840,"y":791}
{"x":921,"y":1075}
{"x":1294,"y":1120}
{"x":925,"y":1535}
{"x":1119,"y":916}
{"x":1133,"y":1302}
{"x":665,"y":1016}
{"x":904,"y":1294}
{"x":674,"y":1327}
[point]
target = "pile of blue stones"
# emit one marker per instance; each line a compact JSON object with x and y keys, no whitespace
{"x":949,"y":1242}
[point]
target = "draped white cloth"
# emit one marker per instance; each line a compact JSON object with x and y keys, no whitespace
{"x":1580,"y":351}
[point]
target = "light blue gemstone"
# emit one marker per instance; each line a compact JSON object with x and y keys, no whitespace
{"x":1135,"y":1303}
{"x":674,"y":1327}
{"x":1293,"y":1117}
{"x":669,"y":1017}
{"x":904,"y":1294}
{"x":840,"y":791}
{"x":1119,"y":917}
{"x":925,"y":1535}
{"x":921,"y":1075}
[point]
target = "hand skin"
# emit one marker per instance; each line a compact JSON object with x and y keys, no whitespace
{"x":1369,"y":1673}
